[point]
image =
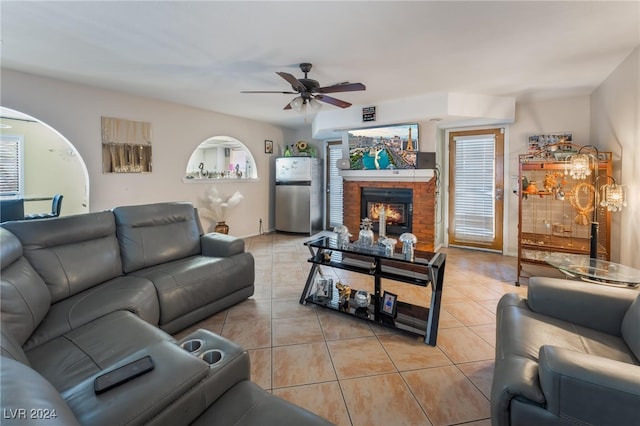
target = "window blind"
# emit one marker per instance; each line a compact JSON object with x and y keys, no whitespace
{"x":335,"y":187}
{"x":10,"y":167}
{"x":474,"y":207}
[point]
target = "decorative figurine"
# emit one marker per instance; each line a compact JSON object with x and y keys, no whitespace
{"x":362,"y":298}
{"x":344,"y":291}
{"x":365,"y":237}
{"x":389,"y":246}
{"x":408,"y":241}
{"x":343,"y":236}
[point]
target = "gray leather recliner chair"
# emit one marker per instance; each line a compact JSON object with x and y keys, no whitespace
{"x":569,"y":353}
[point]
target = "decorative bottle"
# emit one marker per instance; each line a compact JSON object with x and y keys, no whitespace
{"x":382,"y":222}
{"x":287,"y":151}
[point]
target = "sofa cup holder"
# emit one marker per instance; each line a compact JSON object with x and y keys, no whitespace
{"x":192,"y":345}
{"x":213,"y":356}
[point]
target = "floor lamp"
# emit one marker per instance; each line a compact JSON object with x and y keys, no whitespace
{"x":611,"y":196}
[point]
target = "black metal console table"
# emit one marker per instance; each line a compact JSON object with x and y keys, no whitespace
{"x":425,"y":269}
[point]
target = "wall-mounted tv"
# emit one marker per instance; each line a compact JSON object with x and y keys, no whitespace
{"x":380,"y":148}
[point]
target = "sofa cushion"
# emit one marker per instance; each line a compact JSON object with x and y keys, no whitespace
{"x":68,"y":360}
{"x":631,"y":327}
{"x":25,"y":298}
{"x":133,"y":294}
{"x":594,"y":306}
{"x":71,"y":253}
{"x":187,"y":284}
{"x":523,"y":332}
{"x":156,"y":233}
{"x":27,"y":398}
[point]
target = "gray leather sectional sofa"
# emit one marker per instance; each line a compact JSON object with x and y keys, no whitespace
{"x":83,"y":295}
{"x":568,"y":353}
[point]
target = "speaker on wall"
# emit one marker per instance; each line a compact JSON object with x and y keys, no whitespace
{"x":425,"y":160}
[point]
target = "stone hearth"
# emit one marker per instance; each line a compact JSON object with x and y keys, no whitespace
{"x":424,"y":212}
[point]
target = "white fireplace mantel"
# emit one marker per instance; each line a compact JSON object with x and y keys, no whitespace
{"x":402,"y":175}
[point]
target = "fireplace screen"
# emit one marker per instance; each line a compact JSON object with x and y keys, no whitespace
{"x":398,"y":205}
{"x":395,"y":213}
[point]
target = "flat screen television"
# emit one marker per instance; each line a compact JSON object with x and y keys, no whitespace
{"x":386,"y":147}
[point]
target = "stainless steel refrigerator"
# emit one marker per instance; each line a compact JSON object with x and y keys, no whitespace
{"x":298,"y":195}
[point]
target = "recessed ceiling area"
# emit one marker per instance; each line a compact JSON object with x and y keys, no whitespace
{"x":203,"y":54}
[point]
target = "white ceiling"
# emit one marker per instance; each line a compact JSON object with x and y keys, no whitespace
{"x":204,"y":53}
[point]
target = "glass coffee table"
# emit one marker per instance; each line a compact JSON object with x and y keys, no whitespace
{"x":382,"y":307}
{"x":594,"y":270}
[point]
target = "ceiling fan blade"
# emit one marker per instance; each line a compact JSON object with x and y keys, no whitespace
{"x":333,"y":101}
{"x":297,"y":85}
{"x":287,"y":106}
{"x":342,"y":87}
{"x":268,"y":91}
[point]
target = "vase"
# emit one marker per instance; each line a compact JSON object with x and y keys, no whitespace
{"x":222,"y":228}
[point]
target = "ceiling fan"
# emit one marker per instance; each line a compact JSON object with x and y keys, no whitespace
{"x":309,"y":90}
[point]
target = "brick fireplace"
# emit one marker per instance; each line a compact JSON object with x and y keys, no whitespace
{"x":423,"y":220}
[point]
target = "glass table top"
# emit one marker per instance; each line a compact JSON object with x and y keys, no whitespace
{"x":594,"y":269}
{"x":331,"y":243}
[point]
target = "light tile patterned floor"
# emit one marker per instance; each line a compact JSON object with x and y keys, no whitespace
{"x":356,"y":373}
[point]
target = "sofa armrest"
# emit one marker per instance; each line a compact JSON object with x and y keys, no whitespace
{"x":28,"y":398}
{"x":594,"y":306}
{"x":220,"y":245}
{"x":589,"y":389}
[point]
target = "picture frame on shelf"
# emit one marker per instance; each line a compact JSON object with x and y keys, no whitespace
{"x":389,"y":304}
{"x":324,"y":288}
{"x":268,"y":146}
{"x":539,"y":142}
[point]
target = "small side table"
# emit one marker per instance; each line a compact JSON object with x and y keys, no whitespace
{"x":594,"y":270}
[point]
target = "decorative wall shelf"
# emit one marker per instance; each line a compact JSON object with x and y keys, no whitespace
{"x":217,"y":181}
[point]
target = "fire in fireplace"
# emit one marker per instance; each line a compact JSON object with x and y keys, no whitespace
{"x":398,"y":205}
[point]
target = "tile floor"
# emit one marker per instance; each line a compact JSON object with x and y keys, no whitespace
{"x":356,"y":373}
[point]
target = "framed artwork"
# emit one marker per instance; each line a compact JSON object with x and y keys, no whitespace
{"x":126,"y":146}
{"x":268,"y":147}
{"x":389,"y":304}
{"x":537,"y":143}
{"x":380,"y":148}
{"x":324,"y":289}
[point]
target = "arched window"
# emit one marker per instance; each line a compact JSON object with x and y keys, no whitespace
{"x":221,"y":158}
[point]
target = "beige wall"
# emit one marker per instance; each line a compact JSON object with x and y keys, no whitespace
{"x":615,"y":127}
{"x":75,"y":110}
{"x":539,"y":117}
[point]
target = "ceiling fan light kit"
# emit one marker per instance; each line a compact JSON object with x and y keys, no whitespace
{"x":309,"y":91}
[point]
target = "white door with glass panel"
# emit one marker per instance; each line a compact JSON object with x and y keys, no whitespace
{"x":476,"y":188}
{"x":334,"y":208}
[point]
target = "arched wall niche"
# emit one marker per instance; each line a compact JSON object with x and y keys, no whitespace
{"x":221,"y":159}
{"x":51,"y":165}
